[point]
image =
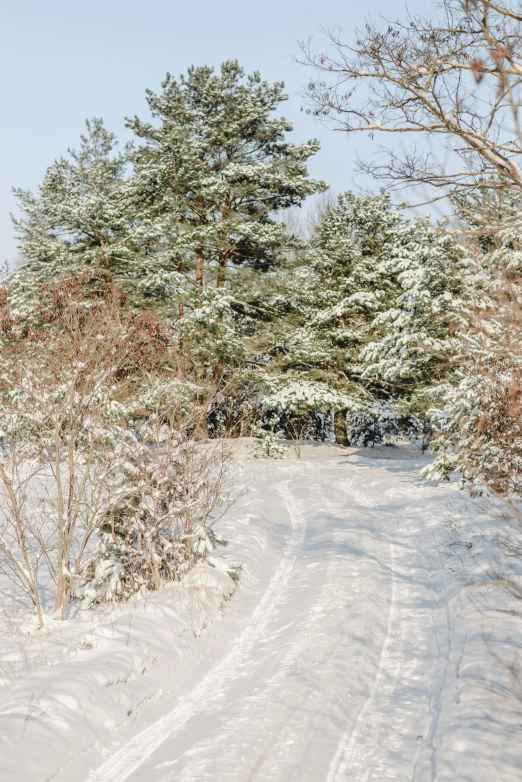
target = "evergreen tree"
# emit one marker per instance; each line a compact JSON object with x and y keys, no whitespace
{"x":178,"y":220}
{"x":80,"y":218}
{"x":375,"y":308}
{"x":479,"y":434}
{"x":216,"y":167}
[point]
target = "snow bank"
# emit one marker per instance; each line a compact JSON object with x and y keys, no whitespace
{"x":476,"y":730}
{"x":55,"y":712}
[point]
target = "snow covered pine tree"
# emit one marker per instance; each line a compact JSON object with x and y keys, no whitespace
{"x":374,"y":310}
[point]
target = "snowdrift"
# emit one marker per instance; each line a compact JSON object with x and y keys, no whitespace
{"x":131,"y":658}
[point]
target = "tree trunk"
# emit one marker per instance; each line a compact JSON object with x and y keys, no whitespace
{"x":341,"y":435}
{"x":181,"y":311}
{"x":221,"y":275}
{"x":38,"y":606}
{"x":155,"y":571}
{"x":59,"y":591}
{"x":199,"y":267}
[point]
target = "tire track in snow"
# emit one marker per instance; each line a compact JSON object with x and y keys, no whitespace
{"x":344,"y":755}
{"x":227,"y":747}
{"x":138,"y":749}
{"x":346,"y":748}
{"x":398,"y":710}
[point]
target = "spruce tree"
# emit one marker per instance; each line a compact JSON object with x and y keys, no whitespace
{"x":375,"y":307}
{"x":478,"y":420}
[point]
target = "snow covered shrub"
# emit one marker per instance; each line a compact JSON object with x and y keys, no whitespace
{"x":62,"y":417}
{"x":479,"y":425}
{"x":380,"y":424}
{"x":166,"y":496}
{"x":268,"y":436}
{"x":307,"y":408}
{"x":480,"y":430}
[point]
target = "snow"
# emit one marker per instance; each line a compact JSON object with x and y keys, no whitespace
{"x":354,"y":648}
{"x":54,"y":712}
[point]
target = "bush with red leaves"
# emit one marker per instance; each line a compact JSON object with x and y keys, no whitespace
{"x":84,"y":319}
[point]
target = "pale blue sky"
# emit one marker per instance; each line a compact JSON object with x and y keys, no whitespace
{"x":62,"y":61}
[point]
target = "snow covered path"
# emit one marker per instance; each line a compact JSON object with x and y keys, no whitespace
{"x":331,"y":663}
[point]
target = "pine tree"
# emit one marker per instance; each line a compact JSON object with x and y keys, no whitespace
{"x":216,"y":167}
{"x":80,"y":219}
{"x":177,"y":221}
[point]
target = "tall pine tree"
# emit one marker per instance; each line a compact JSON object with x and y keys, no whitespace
{"x":216,"y":167}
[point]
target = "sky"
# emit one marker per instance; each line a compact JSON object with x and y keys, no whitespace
{"x":62,"y":61}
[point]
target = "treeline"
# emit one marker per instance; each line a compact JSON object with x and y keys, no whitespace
{"x":361,"y":318}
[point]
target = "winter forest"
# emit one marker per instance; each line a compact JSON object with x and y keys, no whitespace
{"x":261,"y":443}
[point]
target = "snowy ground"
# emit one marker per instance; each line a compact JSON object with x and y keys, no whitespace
{"x":351,"y":651}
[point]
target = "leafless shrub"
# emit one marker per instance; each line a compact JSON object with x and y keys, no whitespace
{"x":62,"y":390}
{"x":300,"y":428}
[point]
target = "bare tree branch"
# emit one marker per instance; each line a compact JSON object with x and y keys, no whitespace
{"x":459,"y":78}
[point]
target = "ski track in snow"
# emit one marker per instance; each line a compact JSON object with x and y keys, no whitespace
{"x":136,"y":751}
{"x":291,"y":711}
{"x":333,"y":676}
{"x":351,"y":653}
{"x":365,"y":752}
{"x":281,"y":730}
{"x":343,"y":759}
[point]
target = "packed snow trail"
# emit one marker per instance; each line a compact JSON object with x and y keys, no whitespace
{"x":135,"y":752}
{"x":332,"y":676}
